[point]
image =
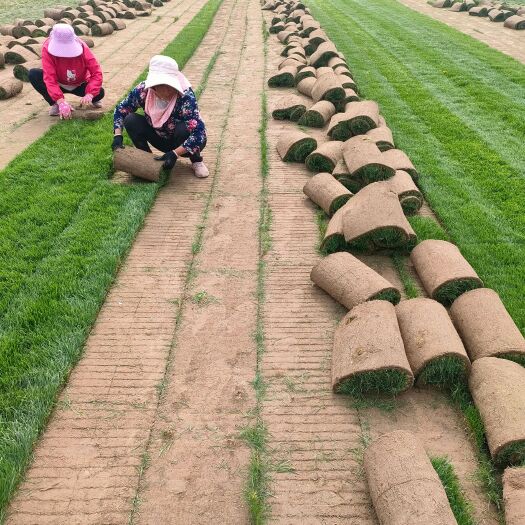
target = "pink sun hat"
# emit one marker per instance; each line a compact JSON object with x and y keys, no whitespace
{"x":63,"y":42}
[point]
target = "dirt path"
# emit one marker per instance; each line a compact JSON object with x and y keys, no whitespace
{"x":109,"y":425}
{"x":318,"y":434}
{"x":123,"y":56}
{"x":493,"y":34}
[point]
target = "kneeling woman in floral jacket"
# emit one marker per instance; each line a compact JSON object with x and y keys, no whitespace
{"x":171,"y":122}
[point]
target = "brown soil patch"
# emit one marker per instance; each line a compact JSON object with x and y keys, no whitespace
{"x":506,"y":40}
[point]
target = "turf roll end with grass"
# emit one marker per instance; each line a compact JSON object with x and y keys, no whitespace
{"x":117,"y":23}
{"x":374,"y":219}
{"x":103,"y":29}
{"x":410,"y":197}
{"x":434,"y":349}
{"x":342,"y":174}
{"x":81,"y":29}
{"x":328,"y":87}
{"x":289,"y":108}
{"x":325,"y":157}
{"x":329,"y":194}
{"x":19,"y":55}
{"x":382,"y":136}
{"x":284,"y":78}
{"x":479,"y":11}
{"x":318,"y":115}
{"x":368,"y":355}
{"x":350,"y":281}
{"x":403,"y":485}
{"x":10,"y":87}
{"x":305,"y":72}
{"x":514,"y":495}
{"x":515,"y":22}
{"x":333,"y":239}
{"x":21,"y":71}
{"x":485,"y":326}
{"x":322,"y":55}
{"x":444,"y":272}
{"x":399,"y":160}
{"x":295,"y":146}
{"x":498,"y":388}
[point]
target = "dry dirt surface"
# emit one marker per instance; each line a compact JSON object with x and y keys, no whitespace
{"x":122,"y":55}
{"x":508,"y":41}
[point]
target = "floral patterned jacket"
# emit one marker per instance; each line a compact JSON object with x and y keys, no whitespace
{"x":186,"y":109}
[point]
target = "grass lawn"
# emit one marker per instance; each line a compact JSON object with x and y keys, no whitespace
{"x":10,"y":10}
{"x":457,"y":108}
{"x":64,"y":230}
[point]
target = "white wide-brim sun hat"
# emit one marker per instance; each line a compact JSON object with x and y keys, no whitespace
{"x":165,"y":70}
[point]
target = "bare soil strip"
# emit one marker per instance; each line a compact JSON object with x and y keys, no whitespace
{"x":321,"y":435}
{"x":123,"y":56}
{"x":493,"y":34}
{"x":88,"y":463}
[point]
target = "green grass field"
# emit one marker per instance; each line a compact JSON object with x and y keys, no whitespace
{"x":457,"y":108}
{"x":64,"y":230}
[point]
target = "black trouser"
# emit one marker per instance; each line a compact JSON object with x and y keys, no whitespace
{"x":140,"y":132}
{"x":36,"y":77}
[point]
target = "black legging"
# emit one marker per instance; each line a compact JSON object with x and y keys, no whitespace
{"x":141,"y":133}
{"x":36,"y":77}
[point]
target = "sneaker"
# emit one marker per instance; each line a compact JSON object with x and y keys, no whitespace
{"x":54,"y":111}
{"x":97,"y":105}
{"x":200,"y":170}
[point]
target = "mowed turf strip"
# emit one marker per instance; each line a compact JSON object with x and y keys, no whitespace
{"x":457,"y":108}
{"x":64,"y":230}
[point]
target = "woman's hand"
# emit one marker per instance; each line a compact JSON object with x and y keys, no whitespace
{"x":169,"y":159}
{"x":65,"y":110}
{"x":86,"y":100}
{"x":117,"y":142}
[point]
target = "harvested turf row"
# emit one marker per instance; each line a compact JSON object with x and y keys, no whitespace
{"x":54,"y":311}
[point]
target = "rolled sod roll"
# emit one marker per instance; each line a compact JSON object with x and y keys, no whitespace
{"x":514,"y":495}
{"x":374,"y":220}
{"x":81,"y":29}
{"x":343,"y":175}
{"x":334,"y":239}
{"x":289,"y":108}
{"x":102,"y":29}
{"x":295,"y":146}
{"x":410,"y":198}
{"x":399,"y":160}
{"x":7,"y":30}
{"x":515,"y":22}
{"x":65,"y":21}
{"x":10,"y":88}
{"x":287,"y":62}
{"x":479,"y":11}
{"x":306,"y":85}
{"x":53,"y":13}
{"x":444,"y":272}
{"x":328,"y":87}
{"x":104,"y":16}
{"x":117,"y":24}
{"x":19,"y":55}
{"x":283,"y":35}
{"x":433,"y":347}
{"x":41,"y":31}
{"x":289,"y":48}
{"x":365,"y":161}
{"x":325,"y":157}
{"x":358,"y":119}
{"x":320,"y":71}
{"x":322,"y":55}
{"x":382,"y":135}
{"x":458,"y":6}
{"x":93,"y":20}
{"x":128,"y":15}
{"x":442,"y":3}
{"x":303,"y":73}
{"x":496,"y":15}
{"x":318,"y":115}
{"x":368,"y":354}
{"x":137,"y":163}
{"x":315,"y":39}
{"x":141,"y":6}
{"x":21,"y":71}
{"x":326,"y":192}
{"x":498,"y":389}
{"x":486,"y":327}
{"x":88,"y":41}
{"x":508,"y":14}
{"x":45,"y":22}
{"x":70,"y":13}
{"x":404,"y":487}
{"x":351,"y":282}
{"x":20,"y":31}
{"x":284,"y":78}
{"x":350,"y":96}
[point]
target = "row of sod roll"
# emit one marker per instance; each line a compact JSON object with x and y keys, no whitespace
{"x":460,"y":332}
{"x":21,"y":42}
{"x":512,"y":16}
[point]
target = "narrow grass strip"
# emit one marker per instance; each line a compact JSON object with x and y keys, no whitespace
{"x":64,"y":231}
{"x":257,"y":491}
{"x":409,"y":284}
{"x":459,"y":504}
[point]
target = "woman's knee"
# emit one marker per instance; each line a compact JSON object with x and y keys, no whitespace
{"x":100,"y":95}
{"x":134,"y":122}
{"x":35,"y":76}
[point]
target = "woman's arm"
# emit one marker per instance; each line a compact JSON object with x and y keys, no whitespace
{"x":50,"y":76}
{"x":130,"y":104}
{"x":95,"y":80}
{"x":191,"y":115}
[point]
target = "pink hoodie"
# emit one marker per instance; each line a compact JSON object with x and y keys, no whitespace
{"x":71,"y":72}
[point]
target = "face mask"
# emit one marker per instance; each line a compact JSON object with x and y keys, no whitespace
{"x":161,"y":104}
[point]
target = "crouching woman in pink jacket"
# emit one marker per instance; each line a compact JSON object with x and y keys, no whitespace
{"x":68,"y":66}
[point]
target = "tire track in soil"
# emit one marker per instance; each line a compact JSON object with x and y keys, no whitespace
{"x":197,"y":463}
{"x":25,"y":118}
{"x":321,"y":435}
{"x":508,"y":41}
{"x":87,"y":463}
